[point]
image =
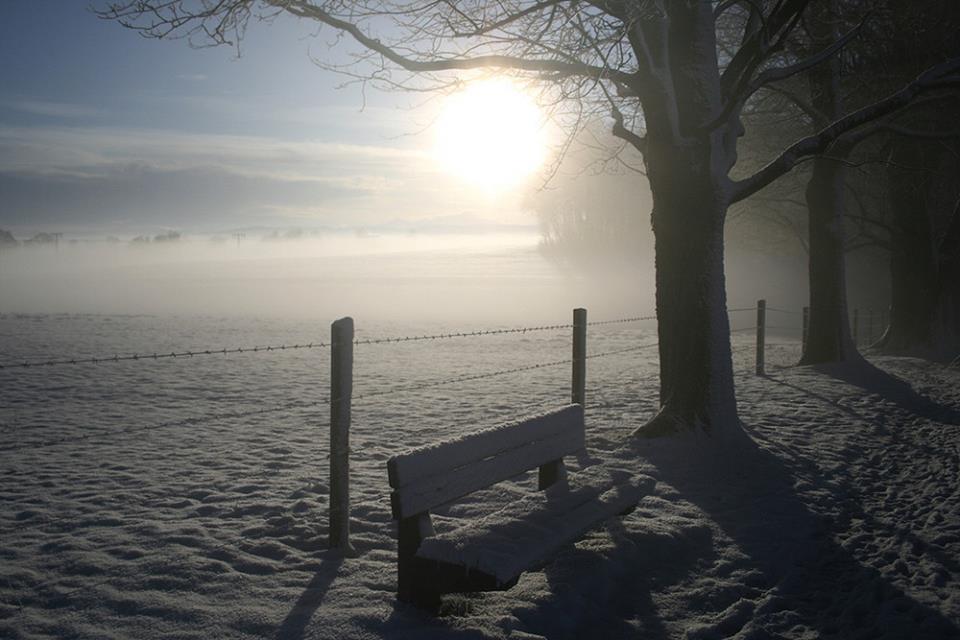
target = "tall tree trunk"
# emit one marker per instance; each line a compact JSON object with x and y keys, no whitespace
{"x":923,"y":272}
{"x":828,"y":334}
{"x":948,"y":277}
{"x":688,"y":173}
{"x":913,"y":265}
{"x":696,"y":374}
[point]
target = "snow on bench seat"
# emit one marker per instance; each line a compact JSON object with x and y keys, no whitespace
{"x":524,"y":535}
{"x":436,"y":474}
{"x":491,"y":552}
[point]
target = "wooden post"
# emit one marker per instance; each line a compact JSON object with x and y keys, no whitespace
{"x":341,"y":391}
{"x":806,"y":327}
{"x":856,"y":327}
{"x":761,"y":328}
{"x":579,"y":387}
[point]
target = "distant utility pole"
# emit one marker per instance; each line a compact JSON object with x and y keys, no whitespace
{"x":56,"y":240}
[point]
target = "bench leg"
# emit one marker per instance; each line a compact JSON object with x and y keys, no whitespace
{"x":552,"y":473}
{"x":411,"y":585}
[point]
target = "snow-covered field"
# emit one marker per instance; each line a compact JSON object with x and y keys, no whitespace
{"x":121,"y":518}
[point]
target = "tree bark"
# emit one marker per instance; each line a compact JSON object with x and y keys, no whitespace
{"x":828,"y":337}
{"x":696,"y":373}
{"x":913,"y":266}
{"x":948,"y":277}
{"x":688,"y":173}
{"x":924,"y":297}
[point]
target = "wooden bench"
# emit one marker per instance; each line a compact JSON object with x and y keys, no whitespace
{"x":489,"y":554}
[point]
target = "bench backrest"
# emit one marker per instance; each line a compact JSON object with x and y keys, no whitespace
{"x":436,"y":474}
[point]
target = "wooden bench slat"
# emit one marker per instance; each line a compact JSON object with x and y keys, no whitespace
{"x":443,"y":457}
{"x":431,"y":491}
{"x":498,"y":548}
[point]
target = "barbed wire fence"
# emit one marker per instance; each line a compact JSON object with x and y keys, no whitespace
{"x":786,"y":326}
{"x":198,"y":420}
{"x":146,"y":357}
{"x":869,"y":319}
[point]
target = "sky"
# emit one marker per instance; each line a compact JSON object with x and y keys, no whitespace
{"x":103,"y":132}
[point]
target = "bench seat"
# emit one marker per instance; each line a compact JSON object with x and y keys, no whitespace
{"x":490,"y":553}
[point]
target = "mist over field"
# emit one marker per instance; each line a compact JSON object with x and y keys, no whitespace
{"x":473,"y":278}
{"x":482,"y":277}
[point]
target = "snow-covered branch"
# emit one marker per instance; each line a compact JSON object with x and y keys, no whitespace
{"x":819,"y":142}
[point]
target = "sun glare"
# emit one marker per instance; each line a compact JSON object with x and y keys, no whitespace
{"x":491,"y":134}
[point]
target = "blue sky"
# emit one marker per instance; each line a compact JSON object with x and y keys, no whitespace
{"x":105,"y":132}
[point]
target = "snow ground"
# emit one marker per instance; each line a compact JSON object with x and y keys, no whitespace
{"x":842,"y":521}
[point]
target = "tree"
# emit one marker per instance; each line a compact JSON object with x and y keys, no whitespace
{"x":828,"y":334}
{"x":923,"y":228}
{"x":7,"y":240}
{"x":588,"y":214}
{"x":922,"y":258}
{"x":828,"y":25}
{"x":653,"y":65}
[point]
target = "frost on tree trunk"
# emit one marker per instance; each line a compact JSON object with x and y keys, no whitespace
{"x":828,"y":337}
{"x":688,"y":168}
{"x":696,"y":374}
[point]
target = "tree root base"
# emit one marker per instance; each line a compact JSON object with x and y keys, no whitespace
{"x":662,"y":425}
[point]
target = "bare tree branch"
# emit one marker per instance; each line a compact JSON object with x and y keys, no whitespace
{"x":822,"y":140}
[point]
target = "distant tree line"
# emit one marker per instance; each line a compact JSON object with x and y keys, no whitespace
{"x":8,"y":240}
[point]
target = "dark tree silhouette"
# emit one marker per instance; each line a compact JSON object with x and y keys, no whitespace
{"x":828,"y":336}
{"x":923,"y":230}
{"x":918,"y":223}
{"x":653,"y":66}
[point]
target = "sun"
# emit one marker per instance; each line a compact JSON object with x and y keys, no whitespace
{"x":490,"y":134}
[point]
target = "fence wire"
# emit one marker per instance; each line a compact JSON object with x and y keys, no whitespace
{"x":160,"y":356}
{"x":465,"y":378}
{"x":183,"y":422}
{"x":598,"y":323}
{"x":463,"y":334}
{"x":157,"y":355}
{"x":295,"y":405}
{"x":787,"y":311}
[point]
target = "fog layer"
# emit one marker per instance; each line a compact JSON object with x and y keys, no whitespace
{"x":427,"y":278}
{"x":433,"y":278}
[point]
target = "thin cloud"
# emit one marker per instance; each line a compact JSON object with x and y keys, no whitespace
{"x":47,"y":149}
{"x":95,"y":176}
{"x":65,"y":110}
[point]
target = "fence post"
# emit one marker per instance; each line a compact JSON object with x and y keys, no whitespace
{"x":579,"y":387}
{"x":341,"y":391}
{"x":761,"y":327}
{"x":856,"y":327}
{"x":806,"y":328}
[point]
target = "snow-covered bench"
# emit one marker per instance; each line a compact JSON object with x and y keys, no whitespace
{"x":490,"y":553}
